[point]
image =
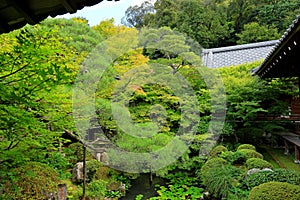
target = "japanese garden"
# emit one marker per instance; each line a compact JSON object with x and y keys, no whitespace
{"x":172,"y":104}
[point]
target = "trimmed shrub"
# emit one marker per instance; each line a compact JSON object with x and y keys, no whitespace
{"x":32,"y":181}
{"x":212,"y":163}
{"x":217,"y":150}
{"x":246,"y":146}
{"x":220,"y":181}
{"x":258,"y":163}
{"x":234,"y":157}
{"x":278,"y":175}
{"x":275,"y":191}
{"x":250,"y":153}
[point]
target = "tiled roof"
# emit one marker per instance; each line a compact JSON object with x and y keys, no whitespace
{"x":235,"y":55}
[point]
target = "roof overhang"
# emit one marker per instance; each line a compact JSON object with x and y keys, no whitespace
{"x":284,"y":59}
{"x":15,"y":14}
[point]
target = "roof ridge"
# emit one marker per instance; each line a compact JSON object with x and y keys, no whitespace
{"x":240,"y":47}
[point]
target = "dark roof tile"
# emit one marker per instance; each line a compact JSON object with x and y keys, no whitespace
{"x":235,"y":55}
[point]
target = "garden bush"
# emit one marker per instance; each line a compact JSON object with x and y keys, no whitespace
{"x":217,"y":150}
{"x":92,"y":167}
{"x":246,"y":146}
{"x":250,"y":153}
{"x":258,"y":163}
{"x":234,"y":157}
{"x":220,"y":181}
{"x":212,"y":163}
{"x":275,"y":191}
{"x":278,"y":175}
{"x":32,"y":181}
{"x":96,"y":189}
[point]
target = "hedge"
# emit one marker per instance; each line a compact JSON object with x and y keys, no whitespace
{"x":32,"y":181}
{"x":217,"y":150}
{"x":212,"y":163}
{"x":246,"y":146}
{"x":258,"y":163}
{"x":278,"y":175}
{"x":275,"y":191}
{"x":250,"y":153}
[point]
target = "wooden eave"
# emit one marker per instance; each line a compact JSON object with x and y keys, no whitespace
{"x":284,"y":60}
{"x":15,"y":14}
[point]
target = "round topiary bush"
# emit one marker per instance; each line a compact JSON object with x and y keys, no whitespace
{"x":275,"y":191}
{"x":32,"y":181}
{"x":212,"y":163}
{"x":258,"y":163}
{"x":246,"y":146}
{"x":249,"y":153}
{"x":217,"y":150}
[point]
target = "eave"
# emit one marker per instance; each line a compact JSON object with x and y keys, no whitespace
{"x":284,"y":59}
{"x":15,"y":14}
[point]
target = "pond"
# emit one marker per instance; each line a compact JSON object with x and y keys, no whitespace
{"x":142,"y":185}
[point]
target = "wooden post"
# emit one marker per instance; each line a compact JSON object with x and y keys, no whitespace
{"x":84,"y":172}
{"x":151,"y":176}
{"x":299,"y":85}
{"x":62,"y":192}
{"x":297,"y":155}
{"x":286,"y":147}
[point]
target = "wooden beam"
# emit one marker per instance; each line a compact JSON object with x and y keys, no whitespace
{"x":71,"y":8}
{"x":25,"y":12}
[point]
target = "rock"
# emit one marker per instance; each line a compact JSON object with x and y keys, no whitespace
{"x":252,"y":171}
{"x":77,"y":173}
{"x":104,"y":158}
{"x":255,"y":170}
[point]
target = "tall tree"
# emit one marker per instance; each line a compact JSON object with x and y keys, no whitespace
{"x":135,"y":16}
{"x":254,"y":32}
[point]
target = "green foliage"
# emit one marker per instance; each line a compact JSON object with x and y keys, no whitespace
{"x":92,"y":167}
{"x":74,"y":152}
{"x":258,"y":163}
{"x":248,"y":97}
{"x":107,"y":29}
{"x":32,"y":181}
{"x":217,"y":23}
{"x":279,"y":13}
{"x":246,"y":146}
{"x":178,"y":192}
{"x":216,"y":151}
{"x":275,"y":191}
{"x":212,"y":163}
{"x":236,"y":157}
{"x":60,"y":163}
{"x":35,"y":64}
{"x":278,"y":175}
{"x":139,"y":197}
{"x":135,"y":16}
{"x":166,"y":13}
{"x":180,"y":186}
{"x":254,"y":32}
{"x":96,"y":189}
{"x":220,"y":181}
{"x":206,"y":25}
{"x":74,"y":33}
{"x":251,"y":154}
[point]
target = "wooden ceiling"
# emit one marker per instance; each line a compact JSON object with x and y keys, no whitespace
{"x":284,"y":59}
{"x":15,"y":14}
